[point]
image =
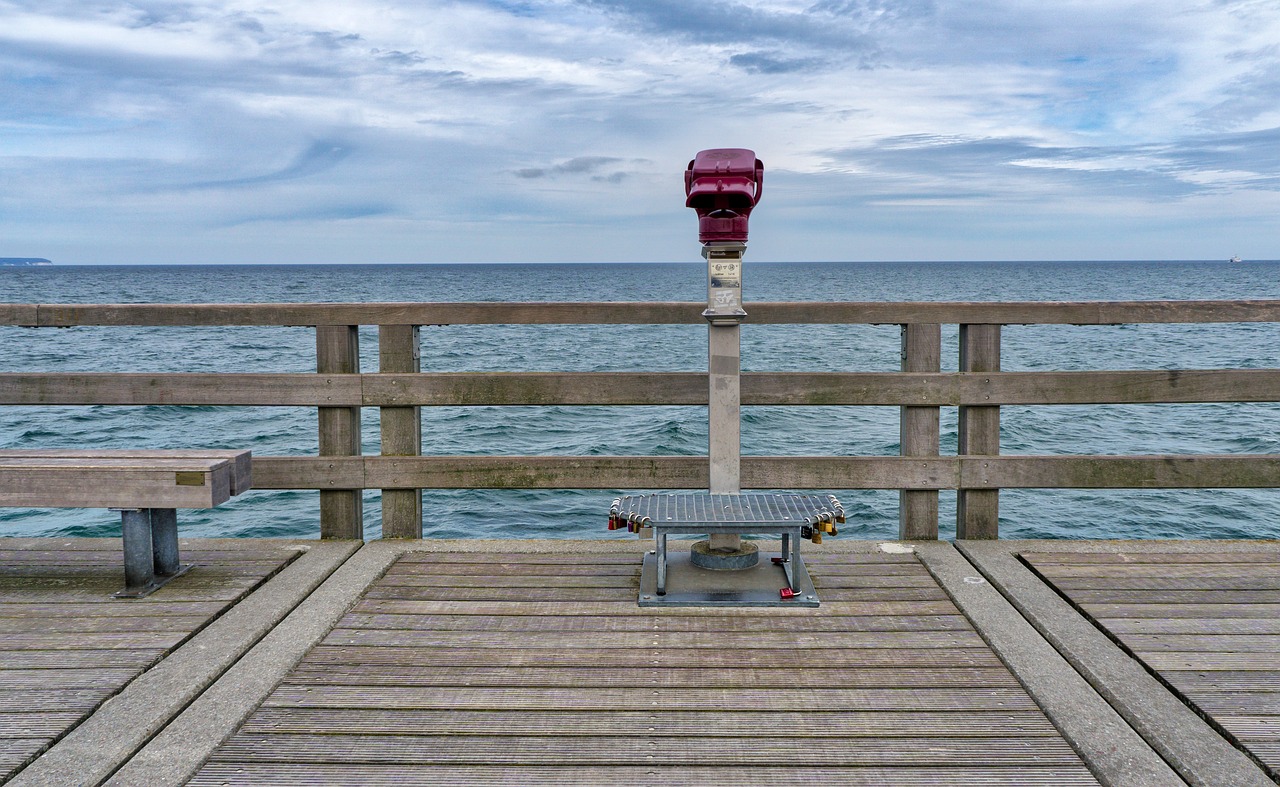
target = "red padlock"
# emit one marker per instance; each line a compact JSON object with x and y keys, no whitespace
{"x":787,"y":593}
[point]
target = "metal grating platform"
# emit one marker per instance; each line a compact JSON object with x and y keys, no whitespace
{"x":678,"y":582}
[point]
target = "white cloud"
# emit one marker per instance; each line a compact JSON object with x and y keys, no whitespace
{"x":872,"y":116}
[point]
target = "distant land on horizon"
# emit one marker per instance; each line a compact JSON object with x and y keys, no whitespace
{"x":24,"y":261}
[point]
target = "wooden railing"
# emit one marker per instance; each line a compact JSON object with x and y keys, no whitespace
{"x":398,"y":389}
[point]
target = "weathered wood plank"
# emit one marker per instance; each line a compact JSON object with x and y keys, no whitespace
{"x":629,"y":594}
{"x":911,"y":389}
{"x":114,"y":482}
{"x":1137,"y":570}
{"x":1170,"y":611}
{"x":636,"y":749}
{"x":625,"y":676}
{"x":1149,"y":583}
{"x":663,"y":723}
{"x":832,"y":658}
{"x":241,"y":462}
{"x":1176,"y":596}
{"x":919,"y":433}
{"x":85,"y":678}
{"x":1123,"y":472}
{"x":63,"y":624}
{"x":978,"y":510}
{"x":1137,"y":558}
{"x":580,"y":623}
{"x":638,"y":313}
{"x":1201,"y":625}
{"x":770,"y":472}
{"x":1209,"y":643}
{"x":1192,"y":681}
{"x":466,"y":608}
{"x":832,"y":699}
{"x":631,"y":580}
{"x":404,"y":638}
{"x":89,"y":388}
{"x":341,"y":509}
{"x":401,"y":430}
{"x":244,"y":774}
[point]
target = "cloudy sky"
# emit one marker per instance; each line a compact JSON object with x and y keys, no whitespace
{"x":557,"y":130}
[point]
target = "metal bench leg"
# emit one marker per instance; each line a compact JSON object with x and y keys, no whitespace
{"x":139,"y":559}
{"x":662,"y":563}
{"x":164,"y":541}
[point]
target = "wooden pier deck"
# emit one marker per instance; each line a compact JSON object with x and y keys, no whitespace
{"x":420,"y":662}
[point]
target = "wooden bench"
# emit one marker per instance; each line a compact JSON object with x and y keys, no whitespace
{"x":145,"y":486}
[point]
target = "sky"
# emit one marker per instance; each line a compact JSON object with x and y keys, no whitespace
{"x":324,"y":131}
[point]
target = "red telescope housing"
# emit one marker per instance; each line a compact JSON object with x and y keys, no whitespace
{"x":723,"y":185}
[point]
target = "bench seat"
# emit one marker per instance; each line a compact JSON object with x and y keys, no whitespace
{"x":147,"y":487}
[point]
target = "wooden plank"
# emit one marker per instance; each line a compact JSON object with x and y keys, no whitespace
{"x":66,"y":624}
{"x":593,"y":623}
{"x":1148,"y":583}
{"x":1183,"y":660}
{"x":635,"y":749}
{"x":833,"y":658}
{"x":469,"y":607}
{"x":631,"y":581}
{"x":1176,"y":596}
{"x":832,"y":699}
{"x":1225,"y":571}
{"x":1168,"y":611}
{"x":401,"y":430}
{"x":241,"y":461}
{"x":625,"y":676}
{"x":47,"y":725}
{"x":114,"y":482}
{"x":629,"y":594}
{"x":84,"y":678}
{"x":919,"y":432}
{"x":1124,"y":472}
{"x":1136,"y":558}
{"x":38,"y":700}
{"x":663,"y":723}
{"x":770,"y":472}
{"x":341,"y":509}
{"x":218,"y":389}
{"x":1203,"y":625}
{"x":1252,"y":728}
{"x":16,"y":658}
{"x":978,"y":510}
{"x":1248,"y":703}
{"x":1185,"y":643}
{"x":648,"y":640}
{"x":243,"y":774}
{"x":1192,"y":681}
{"x":640,"y":313}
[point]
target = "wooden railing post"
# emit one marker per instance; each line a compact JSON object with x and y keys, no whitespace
{"x":919,"y":432}
{"x":398,"y":351}
{"x":978,"y":510}
{"x":338,"y":352}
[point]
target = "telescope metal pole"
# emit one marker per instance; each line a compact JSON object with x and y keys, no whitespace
{"x":724,"y":364}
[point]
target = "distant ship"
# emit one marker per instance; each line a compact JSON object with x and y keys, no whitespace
{"x":1234,"y":258}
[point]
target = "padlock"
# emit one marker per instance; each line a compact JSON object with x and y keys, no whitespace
{"x":787,"y":593}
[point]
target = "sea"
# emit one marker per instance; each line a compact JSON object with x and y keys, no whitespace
{"x":1246,"y":428}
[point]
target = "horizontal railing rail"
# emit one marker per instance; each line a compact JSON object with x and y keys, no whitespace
{"x":497,"y":389}
{"x":640,"y":313}
{"x":339,"y":390}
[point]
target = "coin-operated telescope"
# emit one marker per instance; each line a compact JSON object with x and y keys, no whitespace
{"x":723,"y":185}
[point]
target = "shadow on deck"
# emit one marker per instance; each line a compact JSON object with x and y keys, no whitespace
{"x":410,"y":662}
